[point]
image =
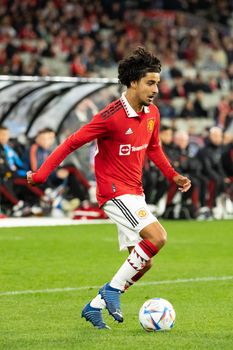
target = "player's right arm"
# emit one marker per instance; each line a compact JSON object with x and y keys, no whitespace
{"x":156,"y":154}
{"x":96,"y":128}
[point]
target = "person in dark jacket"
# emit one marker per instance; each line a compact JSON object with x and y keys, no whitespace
{"x":183,"y":161}
{"x":211,"y":158}
{"x":67,"y":176}
{"x":227,"y":155}
{"x":227,"y":162}
{"x":155,"y":183}
{"x":11,"y":168}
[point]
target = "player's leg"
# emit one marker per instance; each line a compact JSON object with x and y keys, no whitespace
{"x":132,"y":269}
{"x":155,"y":234}
{"x":137,"y":226}
{"x":140,"y":259}
{"x":141,"y":273}
{"x":133,"y":218}
{"x":93,"y":310}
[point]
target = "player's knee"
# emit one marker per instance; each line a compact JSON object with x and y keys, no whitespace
{"x":160,"y":238}
{"x":156,"y":234}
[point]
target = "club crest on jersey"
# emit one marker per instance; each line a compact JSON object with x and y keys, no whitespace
{"x":142,"y":213}
{"x":150,"y":125}
{"x":125,"y":150}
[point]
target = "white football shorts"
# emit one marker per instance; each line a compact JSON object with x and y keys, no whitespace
{"x":131,"y":214}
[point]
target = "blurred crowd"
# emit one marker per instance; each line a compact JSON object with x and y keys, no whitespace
{"x":88,"y":35}
{"x":69,"y":37}
{"x":207,"y":161}
{"x":86,"y":38}
{"x":66,"y":188}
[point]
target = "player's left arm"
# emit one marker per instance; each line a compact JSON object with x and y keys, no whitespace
{"x":156,"y":154}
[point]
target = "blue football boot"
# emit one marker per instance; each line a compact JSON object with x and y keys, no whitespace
{"x":111,"y":296}
{"x":94,"y":315}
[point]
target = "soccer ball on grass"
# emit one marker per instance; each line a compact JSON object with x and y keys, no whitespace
{"x":157,"y":314}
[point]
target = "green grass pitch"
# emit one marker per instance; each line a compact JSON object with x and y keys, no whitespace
{"x":85,"y":257}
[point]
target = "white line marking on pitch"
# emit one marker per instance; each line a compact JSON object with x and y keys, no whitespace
{"x":140,"y":284}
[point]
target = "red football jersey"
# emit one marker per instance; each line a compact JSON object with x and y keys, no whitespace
{"x":124,"y":137}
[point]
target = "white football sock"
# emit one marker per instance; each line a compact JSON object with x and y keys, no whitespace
{"x":134,"y":263}
{"x":97,"y":302}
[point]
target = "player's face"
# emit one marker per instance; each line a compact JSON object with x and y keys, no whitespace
{"x":146,"y":88}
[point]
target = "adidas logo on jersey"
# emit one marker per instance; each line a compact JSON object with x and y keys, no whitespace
{"x":129,"y":132}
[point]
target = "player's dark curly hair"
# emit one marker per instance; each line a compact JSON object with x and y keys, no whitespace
{"x":135,"y":66}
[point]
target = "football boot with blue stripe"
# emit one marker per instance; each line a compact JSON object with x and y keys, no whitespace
{"x":111,"y":296}
{"x":94,"y":315}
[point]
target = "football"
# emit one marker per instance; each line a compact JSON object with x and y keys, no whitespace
{"x":157,"y":314}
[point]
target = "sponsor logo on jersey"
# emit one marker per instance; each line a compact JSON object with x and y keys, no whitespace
{"x":150,"y":125}
{"x":125,"y":150}
{"x":142,"y":213}
{"x":139,"y":148}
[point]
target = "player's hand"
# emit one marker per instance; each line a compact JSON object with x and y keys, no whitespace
{"x":29,"y":178}
{"x":182,"y":182}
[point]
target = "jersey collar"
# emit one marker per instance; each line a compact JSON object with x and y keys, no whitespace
{"x":129,"y":110}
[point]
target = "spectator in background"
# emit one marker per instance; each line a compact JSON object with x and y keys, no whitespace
{"x":104,"y":31}
{"x":227,"y":162}
{"x":16,"y":67}
{"x":224,"y":112}
{"x":166,"y":109}
{"x":40,"y":150}
{"x":11,"y":167}
{"x":15,"y":164}
{"x":213,"y":84}
{"x":68,"y":178}
{"x":179,"y":90}
{"x":162,"y":186}
{"x":164,"y":91}
{"x":155,"y":183}
{"x":77,"y":67}
{"x":85,"y":110}
{"x":188,"y":112}
{"x":192,"y":168}
{"x":200,"y":84}
{"x":199,"y":109}
{"x":223,"y":81}
{"x":166,"y":136}
{"x":227,"y":155}
{"x":210,"y":156}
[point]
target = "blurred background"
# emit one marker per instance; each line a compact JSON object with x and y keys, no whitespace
{"x":58,"y":67}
